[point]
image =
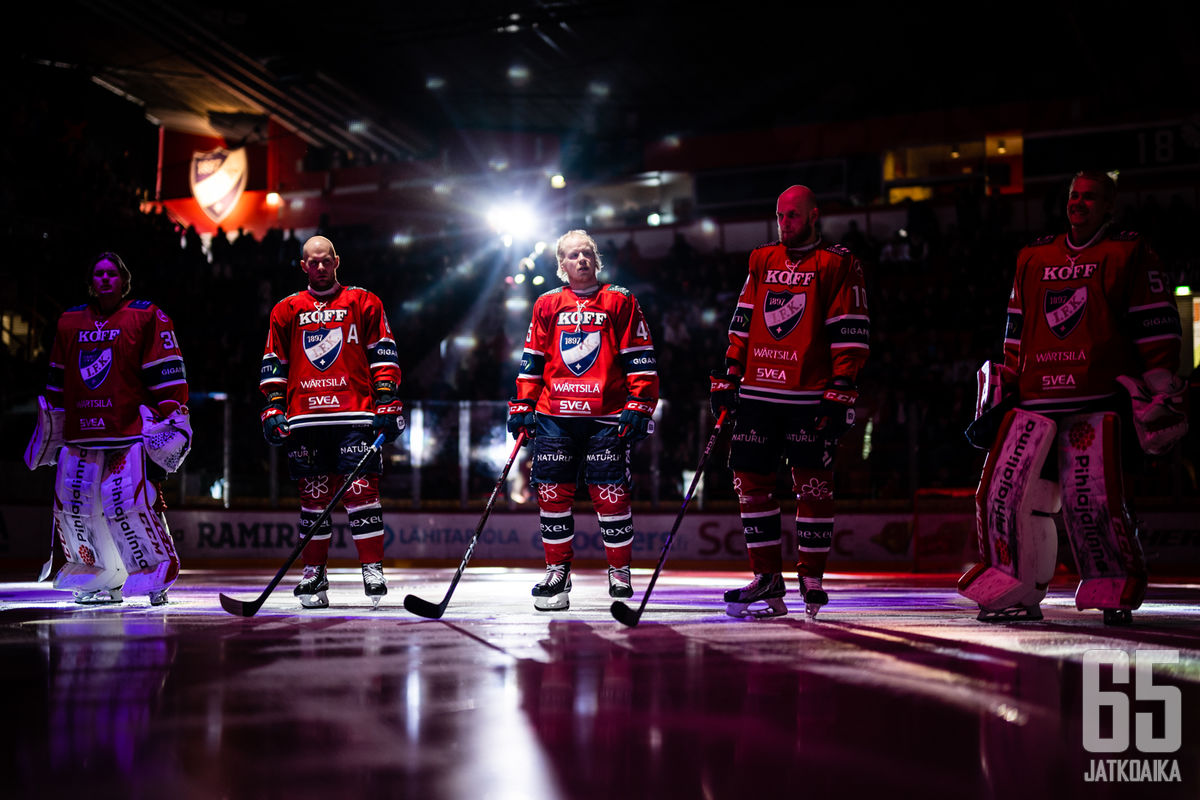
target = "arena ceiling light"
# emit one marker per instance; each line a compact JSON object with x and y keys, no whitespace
{"x":514,"y":219}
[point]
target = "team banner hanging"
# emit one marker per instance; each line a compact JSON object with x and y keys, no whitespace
{"x":218,"y":178}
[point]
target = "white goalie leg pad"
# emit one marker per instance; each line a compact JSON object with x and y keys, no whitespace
{"x":140,"y":532}
{"x":1099,"y":527}
{"x":47,"y":438}
{"x":167,"y":441}
{"x":1017,"y":538}
{"x":93,"y":563}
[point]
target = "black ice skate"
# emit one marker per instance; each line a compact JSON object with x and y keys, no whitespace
{"x":813,"y":595}
{"x":552,"y":593}
{"x":1118,"y":616}
{"x":766,"y":588}
{"x":158,"y":598}
{"x":99,"y":597}
{"x":313,"y":587}
{"x":374,"y":583}
{"x":619,"y":583}
{"x":1014,"y":613}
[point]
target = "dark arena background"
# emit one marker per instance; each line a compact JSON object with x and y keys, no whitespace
{"x":443,"y":148}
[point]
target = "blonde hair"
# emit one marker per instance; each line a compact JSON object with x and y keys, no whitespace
{"x":558,"y":252}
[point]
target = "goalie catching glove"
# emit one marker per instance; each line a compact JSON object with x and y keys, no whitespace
{"x":635,"y":422}
{"x":1158,"y":414}
{"x":835,"y":414}
{"x":167,"y":441}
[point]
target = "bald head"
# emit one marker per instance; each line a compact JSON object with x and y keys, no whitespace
{"x":796,"y":212}
{"x":319,"y":243}
{"x":320,"y":261}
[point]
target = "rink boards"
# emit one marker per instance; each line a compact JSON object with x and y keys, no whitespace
{"x":862,"y":541}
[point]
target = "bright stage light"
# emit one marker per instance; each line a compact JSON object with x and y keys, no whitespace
{"x":273,"y":199}
{"x":538,"y":280}
{"x":558,"y":181}
{"x":514,"y":220}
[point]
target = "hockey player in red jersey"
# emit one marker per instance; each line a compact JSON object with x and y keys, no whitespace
{"x":586,"y":391}
{"x":330,"y":374}
{"x":115,"y":420}
{"x":1090,"y":312}
{"x":797,"y":340}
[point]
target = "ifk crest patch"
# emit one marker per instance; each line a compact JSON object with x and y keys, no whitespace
{"x":94,"y":366}
{"x":218,"y":178}
{"x":782,"y":311}
{"x":1064,"y":309}
{"x":322,"y":346}
{"x":579,"y":349}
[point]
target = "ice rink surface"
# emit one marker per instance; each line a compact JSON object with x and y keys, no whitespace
{"x":893,"y":691}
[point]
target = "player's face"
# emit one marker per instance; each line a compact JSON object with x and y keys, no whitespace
{"x":579,"y":261}
{"x":321,"y":267}
{"x":1087,"y":206}
{"x":106,"y":280}
{"x":796,"y":219}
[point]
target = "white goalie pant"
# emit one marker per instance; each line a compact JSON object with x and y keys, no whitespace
{"x":1099,"y":527}
{"x":111,"y":535}
{"x":1018,"y":541}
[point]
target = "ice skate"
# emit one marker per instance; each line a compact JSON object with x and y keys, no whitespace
{"x":158,"y":598}
{"x":552,"y":593}
{"x":813,"y":595}
{"x":374,"y":583}
{"x":1118,"y":616}
{"x":1014,"y":613}
{"x":313,"y":587}
{"x":766,"y":588}
{"x":619,"y":583}
{"x":99,"y":597}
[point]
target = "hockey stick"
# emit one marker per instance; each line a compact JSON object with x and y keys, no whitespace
{"x":243,"y":608}
{"x":623,"y":613}
{"x":424,"y":608}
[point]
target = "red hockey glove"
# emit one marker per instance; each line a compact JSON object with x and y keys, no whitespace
{"x":835,"y":414}
{"x":387,"y":417}
{"x":635,"y":422}
{"x":522,"y":417}
{"x":723,"y":393}
{"x":275,"y":423}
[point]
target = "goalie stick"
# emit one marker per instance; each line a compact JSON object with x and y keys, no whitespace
{"x":244,"y":608}
{"x":424,"y":608}
{"x":623,"y":613}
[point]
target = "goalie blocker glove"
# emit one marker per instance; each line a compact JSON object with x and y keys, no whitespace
{"x":387,"y":417}
{"x":835,"y":414}
{"x":275,"y":423}
{"x":723,"y":392}
{"x":522,"y":417}
{"x":635,"y":422}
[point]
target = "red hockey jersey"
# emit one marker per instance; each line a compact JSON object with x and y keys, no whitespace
{"x":1079,"y":317}
{"x":585,"y":355}
{"x":327,"y":353}
{"x":801,"y":320}
{"x":102,"y":367}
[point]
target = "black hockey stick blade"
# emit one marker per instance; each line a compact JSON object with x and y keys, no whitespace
{"x":241,"y":608}
{"x":626,"y":615}
{"x":424,"y":608}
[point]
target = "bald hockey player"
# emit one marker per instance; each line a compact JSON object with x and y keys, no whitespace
{"x":114,"y":419}
{"x":797,"y":340}
{"x":331,"y":374}
{"x":1090,"y":312}
{"x":586,"y":392}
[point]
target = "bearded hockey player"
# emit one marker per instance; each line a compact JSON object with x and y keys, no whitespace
{"x":797,"y":340}
{"x":115,"y":420}
{"x":587,"y":389}
{"x":1090,"y":311}
{"x":330,"y":374}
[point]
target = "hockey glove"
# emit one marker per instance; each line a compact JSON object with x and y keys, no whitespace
{"x":387,"y":417}
{"x":275,"y":423}
{"x":521,"y":417}
{"x":635,"y":423}
{"x":723,"y":392}
{"x":835,"y":414}
{"x":1159,"y":417}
